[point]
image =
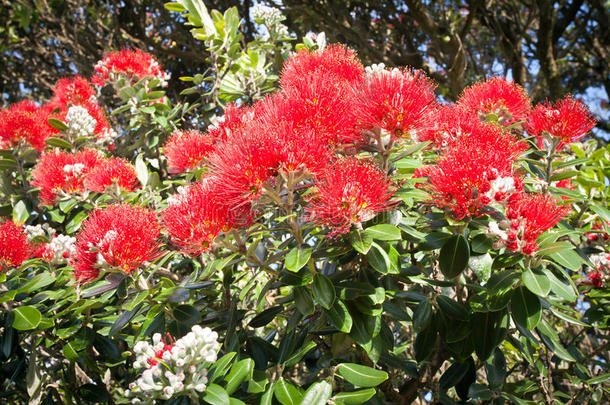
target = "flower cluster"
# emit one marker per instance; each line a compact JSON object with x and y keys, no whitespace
{"x":173,"y":368}
{"x":349,"y":192}
{"x":25,"y":123}
{"x":14,"y":245}
{"x":61,"y":175}
{"x":130,"y":66}
{"x":117,"y":238}
{"x":563,"y":122}
{"x":527,"y":217}
{"x":185,"y":150}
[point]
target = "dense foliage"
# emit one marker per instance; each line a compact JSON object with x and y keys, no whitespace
{"x":340,"y":234}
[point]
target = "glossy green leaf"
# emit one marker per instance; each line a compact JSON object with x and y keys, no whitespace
{"x":383,"y":232}
{"x":20,"y":212}
{"x":422,"y":316}
{"x":525,"y":308}
{"x":297,"y":258}
{"x":240,"y":371}
{"x":454,"y":256}
{"x":451,"y":308}
{"x":323,"y":290}
{"x":317,"y":394}
{"x":303,"y":300}
{"x":340,"y":317}
{"x":537,"y":282}
{"x":186,"y":314}
{"x":286,"y":393}
{"x":361,"y":241}
{"x":26,"y":318}
{"x":378,"y":259}
{"x":567,"y":258}
{"x":215,"y":395}
{"x":57,"y":124}
{"x":354,"y":397}
{"x":361,"y":376}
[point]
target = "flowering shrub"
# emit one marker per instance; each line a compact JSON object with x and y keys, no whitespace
{"x":350,"y":237}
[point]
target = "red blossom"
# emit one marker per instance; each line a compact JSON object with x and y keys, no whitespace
{"x":507,"y":100}
{"x":185,"y":150}
{"x":60,"y":172}
{"x":119,"y":237}
{"x":394,"y":101}
{"x":595,"y":279}
{"x":112,"y":172}
{"x":14,"y":246}
{"x":72,"y":91}
{"x":232,"y":122}
{"x":335,"y":61}
{"x":350,"y":191}
{"x":197,"y":214}
{"x":132,"y":65}
{"x":567,"y":120}
{"x":475,"y":170}
{"x":25,"y":122}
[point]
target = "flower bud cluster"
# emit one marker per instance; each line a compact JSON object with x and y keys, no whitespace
{"x":173,"y":368}
{"x":80,"y":123}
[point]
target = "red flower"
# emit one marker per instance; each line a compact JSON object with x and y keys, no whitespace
{"x":475,"y":170}
{"x":232,"y":122}
{"x":72,"y":91}
{"x":394,"y":101}
{"x":59,"y":173}
{"x":507,"y":100}
{"x":318,"y":105}
{"x":14,"y":246}
{"x":185,"y":150}
{"x":595,"y":279}
{"x":119,"y":237}
{"x":350,"y":191}
{"x":197,"y":214}
{"x":132,"y":65}
{"x":25,"y":122}
{"x":112,"y":172}
{"x":530,"y":215}
{"x":335,"y":61}
{"x":568,"y":120}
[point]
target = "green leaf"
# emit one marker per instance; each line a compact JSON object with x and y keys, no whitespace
{"x":186,"y":314}
{"x":57,"y":124}
{"x":220,"y":367}
{"x":454,"y":256}
{"x":598,"y":379}
{"x":242,"y":370}
{"x":383,"y":232}
{"x":379,"y":259}
{"x":303,"y":300}
{"x":354,"y":397}
{"x":141,"y":170}
{"x":537,"y":282}
{"x":297,"y":258}
{"x":317,"y":394}
{"x":453,"y":375}
{"x":174,"y":7}
{"x":266,"y":316}
{"x":340,"y":317}
{"x":215,"y":395}
{"x":422,"y":316}
{"x":567,"y":258}
{"x":525,"y":308}
{"x":361,"y":241}
{"x":488,"y":331}
{"x":58,"y":142}
{"x":26,"y":318}
{"x":451,"y":308}
{"x":298,"y":355}
{"x":561,"y":288}
{"x":20,"y":212}
{"x":75,"y":223}
{"x":361,"y":376}
{"x":267,"y":397}
{"x":323,"y":290}
{"x":287,"y":393}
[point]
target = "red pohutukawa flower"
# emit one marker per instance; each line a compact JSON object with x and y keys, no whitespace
{"x":25,"y":122}
{"x":197,"y":214}
{"x":132,"y":65}
{"x":14,"y":246}
{"x":507,"y":101}
{"x":349,"y":192}
{"x":114,"y":173}
{"x":60,"y":173}
{"x":335,"y":61}
{"x":395,"y":101}
{"x":232,"y":122}
{"x":72,"y":91}
{"x":185,"y":150}
{"x":567,"y":120}
{"x":119,"y":237}
{"x":320,"y":106}
{"x":475,"y":171}
{"x":529,"y":215}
